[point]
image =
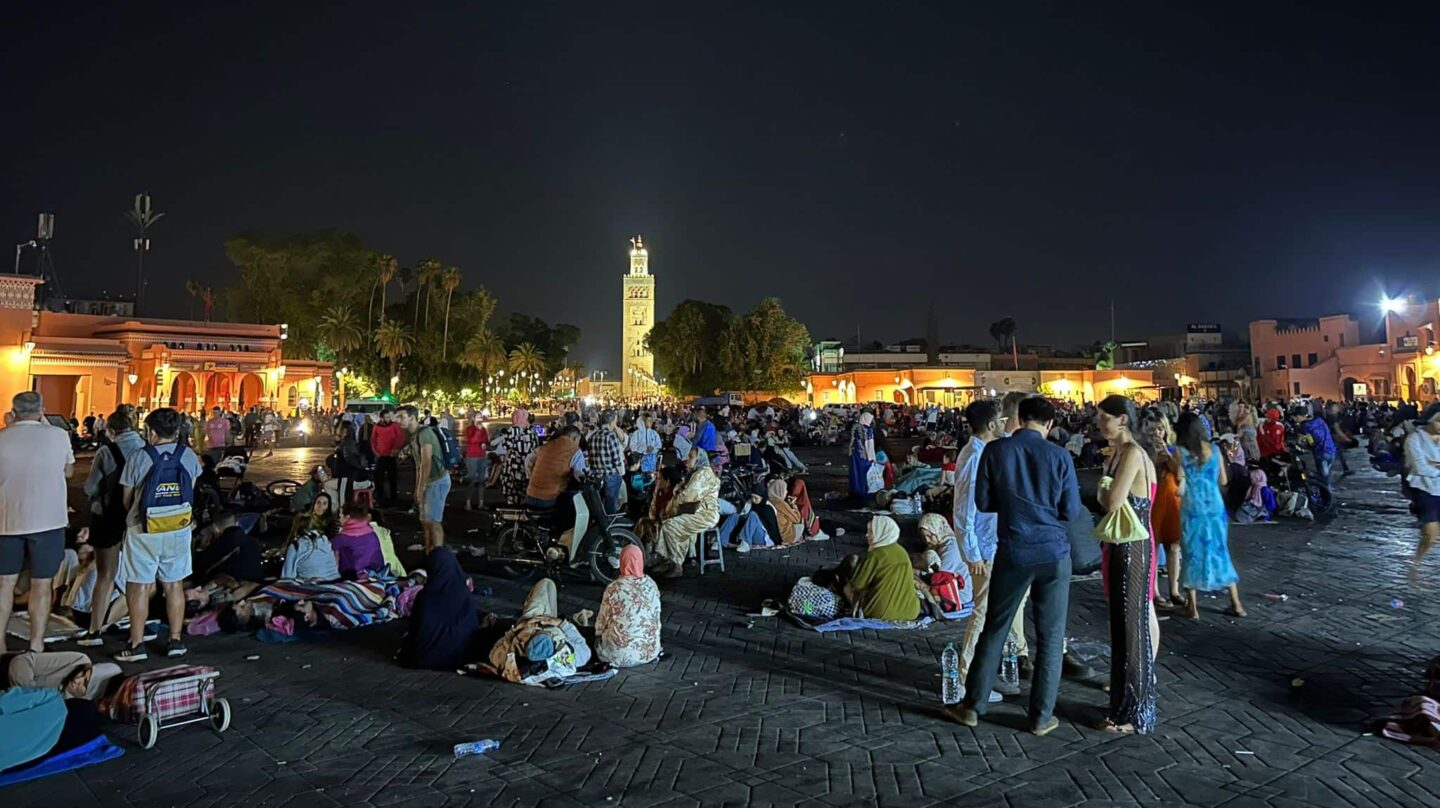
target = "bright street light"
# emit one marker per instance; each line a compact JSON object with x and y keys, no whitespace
{"x":1391,"y":305}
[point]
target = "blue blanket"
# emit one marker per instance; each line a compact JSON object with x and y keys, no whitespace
{"x":97,"y":751}
{"x":858,"y":623}
{"x":916,"y":479}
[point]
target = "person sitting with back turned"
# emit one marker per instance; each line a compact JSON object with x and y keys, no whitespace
{"x":627,"y":627}
{"x":883,"y":586}
{"x":356,"y":546}
{"x":1029,"y":483}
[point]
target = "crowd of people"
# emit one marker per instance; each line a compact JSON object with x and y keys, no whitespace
{"x":994,"y":488}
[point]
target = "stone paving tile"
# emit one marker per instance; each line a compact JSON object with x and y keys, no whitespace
{"x":759,"y":712}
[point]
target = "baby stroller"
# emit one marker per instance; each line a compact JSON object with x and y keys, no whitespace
{"x":234,"y":463}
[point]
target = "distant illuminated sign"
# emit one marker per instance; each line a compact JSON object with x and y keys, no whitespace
{"x":1203,"y":328}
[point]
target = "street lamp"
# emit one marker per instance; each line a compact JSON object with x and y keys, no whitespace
{"x":1391,"y":305}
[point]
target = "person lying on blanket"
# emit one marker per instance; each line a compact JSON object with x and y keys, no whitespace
{"x":47,"y":711}
{"x":542,"y":647}
{"x":883,"y":586}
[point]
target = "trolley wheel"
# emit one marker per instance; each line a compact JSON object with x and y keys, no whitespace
{"x":148,"y":731}
{"x":220,"y":715}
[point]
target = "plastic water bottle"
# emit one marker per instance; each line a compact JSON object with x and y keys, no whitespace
{"x":1010,"y":664}
{"x":464,"y":750}
{"x":918,"y":504}
{"x":950,"y":674}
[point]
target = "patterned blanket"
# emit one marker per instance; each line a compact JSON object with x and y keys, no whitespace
{"x":347,"y":604}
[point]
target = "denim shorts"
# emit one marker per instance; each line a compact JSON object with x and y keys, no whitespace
{"x":435,"y":494}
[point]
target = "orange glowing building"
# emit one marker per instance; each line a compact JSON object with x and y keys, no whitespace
{"x":83,"y":363}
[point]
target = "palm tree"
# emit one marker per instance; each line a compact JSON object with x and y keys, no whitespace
{"x":193,"y":288}
{"x":395,"y":342}
{"x":485,"y":352}
{"x":527,"y":359}
{"x":340,"y":329}
{"x":449,"y":281}
{"x":144,"y":217}
{"x":385,"y":269}
{"x":425,"y":274}
{"x":207,"y":300}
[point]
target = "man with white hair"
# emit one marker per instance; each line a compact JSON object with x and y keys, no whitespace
{"x":35,"y":462}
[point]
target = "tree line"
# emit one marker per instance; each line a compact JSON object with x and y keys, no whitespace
{"x":702,"y":348}
{"x":362,"y":309}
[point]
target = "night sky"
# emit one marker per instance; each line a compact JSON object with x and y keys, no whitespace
{"x":1215,"y":163}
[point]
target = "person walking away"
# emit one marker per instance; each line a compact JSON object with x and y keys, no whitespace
{"x":1029,"y":483}
{"x":1422,"y":464}
{"x":35,"y":462}
{"x":605,"y":456}
{"x":477,"y":459}
{"x":432,"y":478}
{"x":159,"y":483}
{"x":1340,"y":435}
{"x":108,"y":513}
{"x":217,"y":434}
{"x":386,"y":439}
{"x":975,"y":531}
{"x":1204,"y":525}
{"x":1128,"y":569}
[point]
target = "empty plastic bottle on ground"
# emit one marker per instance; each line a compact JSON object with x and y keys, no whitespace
{"x":950,"y":674}
{"x":1010,"y":664}
{"x":476,"y":748}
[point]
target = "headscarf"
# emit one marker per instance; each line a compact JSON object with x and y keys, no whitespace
{"x":867,"y":418}
{"x":520,"y":418}
{"x":701,"y":456}
{"x":443,"y":621}
{"x":883,"y":531}
{"x":632,"y":562}
{"x":935,"y":530}
{"x":776,"y":489}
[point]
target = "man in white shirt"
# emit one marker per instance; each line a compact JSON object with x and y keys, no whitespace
{"x":1422,"y":467}
{"x":644,"y":443}
{"x":975,"y":531}
{"x":35,"y":462}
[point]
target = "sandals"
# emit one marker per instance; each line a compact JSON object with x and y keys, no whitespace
{"x":1115,"y":729}
{"x":1233,"y":612}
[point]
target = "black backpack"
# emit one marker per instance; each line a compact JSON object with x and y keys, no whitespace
{"x":111,"y":495}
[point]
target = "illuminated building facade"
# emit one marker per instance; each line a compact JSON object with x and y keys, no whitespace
{"x":637,"y":299}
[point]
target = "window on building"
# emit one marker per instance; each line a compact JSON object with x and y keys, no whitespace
{"x":1327,"y":338}
{"x":1342,"y":340}
{"x":1312,"y":360}
{"x":1257,"y":365}
{"x":1295,"y":361}
{"x":1297,"y":388}
{"x":1280,"y":362}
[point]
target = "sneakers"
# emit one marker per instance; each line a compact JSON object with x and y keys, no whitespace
{"x":1007,"y":689}
{"x":174,"y":649}
{"x":1046,"y":727}
{"x":743,"y":547}
{"x":962,"y":715}
{"x":134,"y":653}
{"x":821,"y":536}
{"x":89,"y":639}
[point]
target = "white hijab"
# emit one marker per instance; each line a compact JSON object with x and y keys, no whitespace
{"x":883,"y":531}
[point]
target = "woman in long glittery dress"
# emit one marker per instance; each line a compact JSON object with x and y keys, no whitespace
{"x":1129,"y":573}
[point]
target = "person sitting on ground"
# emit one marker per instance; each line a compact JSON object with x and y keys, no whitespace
{"x":941,"y":551}
{"x":755,"y":526}
{"x":446,"y":631}
{"x":883,"y":585}
{"x":305,"y":495}
{"x":308,"y":554}
{"x":232,"y":552}
{"x":627,"y":627}
{"x":541,"y":647}
{"x":356,"y":546}
{"x":801,"y":497}
{"x":787,"y":515}
{"x":317,"y":517}
{"x":694,"y":508}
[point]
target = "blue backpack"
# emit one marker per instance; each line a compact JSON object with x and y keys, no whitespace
{"x":450,"y":447}
{"x":167,"y":494}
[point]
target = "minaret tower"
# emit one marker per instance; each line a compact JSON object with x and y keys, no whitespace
{"x":637,"y":374}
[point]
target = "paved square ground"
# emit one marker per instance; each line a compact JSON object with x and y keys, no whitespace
{"x":761,"y":713}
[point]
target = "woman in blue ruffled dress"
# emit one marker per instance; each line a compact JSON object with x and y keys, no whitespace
{"x":1204,"y":524}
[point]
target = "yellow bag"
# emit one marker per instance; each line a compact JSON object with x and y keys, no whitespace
{"x":1122,"y":525}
